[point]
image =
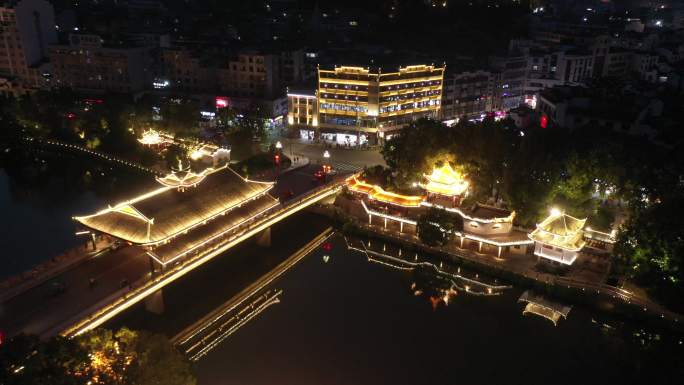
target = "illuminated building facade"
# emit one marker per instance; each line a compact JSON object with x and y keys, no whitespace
{"x":559,"y":238}
{"x":356,"y":105}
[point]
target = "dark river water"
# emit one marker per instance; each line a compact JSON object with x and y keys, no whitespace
{"x":39,"y":194}
{"x":342,"y":318}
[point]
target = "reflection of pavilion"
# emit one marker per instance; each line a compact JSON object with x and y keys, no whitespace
{"x":188,"y":212}
{"x":559,"y":238}
{"x":542,"y":307}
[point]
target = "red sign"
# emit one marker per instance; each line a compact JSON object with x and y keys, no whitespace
{"x":222,"y":102}
{"x":544,"y":121}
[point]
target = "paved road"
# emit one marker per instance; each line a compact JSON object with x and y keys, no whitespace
{"x":38,"y":310}
{"x":343,"y":157}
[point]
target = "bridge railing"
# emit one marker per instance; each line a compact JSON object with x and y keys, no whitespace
{"x":146,"y":286}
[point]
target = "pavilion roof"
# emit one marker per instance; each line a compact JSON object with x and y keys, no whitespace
{"x":561,"y":230}
{"x":166,"y":212}
{"x":379,"y":194}
{"x":446,"y":181}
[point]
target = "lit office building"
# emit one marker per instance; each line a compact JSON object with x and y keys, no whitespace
{"x":356,"y":105}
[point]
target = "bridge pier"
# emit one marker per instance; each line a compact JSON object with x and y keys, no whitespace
{"x":154,"y":303}
{"x":264,"y":238}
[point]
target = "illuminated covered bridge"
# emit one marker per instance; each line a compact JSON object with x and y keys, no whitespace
{"x":188,"y":212}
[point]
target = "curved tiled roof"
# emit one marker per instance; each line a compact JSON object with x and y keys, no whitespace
{"x":164,"y":213}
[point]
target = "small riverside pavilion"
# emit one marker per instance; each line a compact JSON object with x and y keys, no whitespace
{"x":185,"y":213}
{"x":445,"y":186}
{"x":559,"y":238}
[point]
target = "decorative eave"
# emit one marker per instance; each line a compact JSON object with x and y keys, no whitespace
{"x":572,"y":237}
{"x":378,"y":193}
{"x":445,"y":181}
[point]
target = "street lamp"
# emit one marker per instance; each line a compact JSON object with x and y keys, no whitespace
{"x":279,"y":146}
{"x":326,"y":155}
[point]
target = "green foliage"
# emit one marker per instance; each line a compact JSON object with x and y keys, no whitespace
{"x":124,"y":357}
{"x":27,"y":360}
{"x":436,"y":227}
{"x":242,"y":129}
{"x":650,"y":248}
{"x":174,"y":154}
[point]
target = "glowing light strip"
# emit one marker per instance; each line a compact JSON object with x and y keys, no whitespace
{"x":471,"y":218}
{"x":199,"y":223}
{"x":555,"y":258}
{"x":493,"y":242}
{"x":376,"y":192}
{"x":398,"y":219}
{"x":271,"y":276}
{"x":107,"y":313}
{"x":218,"y":235}
{"x":302,"y":96}
{"x":426,"y":263}
{"x":207,"y":348}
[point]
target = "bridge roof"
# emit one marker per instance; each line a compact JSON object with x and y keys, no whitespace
{"x":161,"y":214}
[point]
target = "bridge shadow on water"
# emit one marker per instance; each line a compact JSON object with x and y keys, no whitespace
{"x":198,"y":293}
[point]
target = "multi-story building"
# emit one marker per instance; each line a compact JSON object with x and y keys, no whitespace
{"x":261,"y":75}
{"x":356,"y":104}
{"x":468,"y":95}
{"x":27,"y":27}
{"x":302,"y":112}
{"x":86,"y":64}
{"x":185,"y":70}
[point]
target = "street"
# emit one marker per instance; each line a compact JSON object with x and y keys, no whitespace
{"x":42,"y":308}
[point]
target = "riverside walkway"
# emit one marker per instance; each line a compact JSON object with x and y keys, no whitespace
{"x":520,"y":268}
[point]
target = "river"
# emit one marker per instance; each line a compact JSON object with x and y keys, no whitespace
{"x":39,"y":194}
{"x":342,"y":317}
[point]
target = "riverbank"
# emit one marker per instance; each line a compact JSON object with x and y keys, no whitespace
{"x":600,"y":296}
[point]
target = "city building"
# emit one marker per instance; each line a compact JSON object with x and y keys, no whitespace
{"x":468,"y":95}
{"x":186,"y":70}
{"x":559,"y":238}
{"x":88,"y":64}
{"x":302,"y":113}
{"x":356,"y":105}
{"x":260,"y":75}
{"x":27,"y":28}
{"x":576,"y":106}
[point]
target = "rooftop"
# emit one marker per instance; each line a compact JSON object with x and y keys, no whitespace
{"x":445,"y":181}
{"x":379,"y":194}
{"x":561,"y":230}
{"x":166,"y":212}
{"x":487,"y":212}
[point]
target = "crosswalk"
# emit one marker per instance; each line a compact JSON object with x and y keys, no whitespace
{"x":342,"y":166}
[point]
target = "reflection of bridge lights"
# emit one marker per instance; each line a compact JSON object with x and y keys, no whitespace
{"x":327,"y":246}
{"x":326,"y":258}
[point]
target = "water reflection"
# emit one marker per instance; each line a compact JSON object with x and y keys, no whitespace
{"x":41,"y":191}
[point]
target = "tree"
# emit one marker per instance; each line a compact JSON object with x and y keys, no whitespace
{"x":97,"y":357}
{"x":650,"y":248}
{"x":26,"y":360}
{"x":436,"y":227}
